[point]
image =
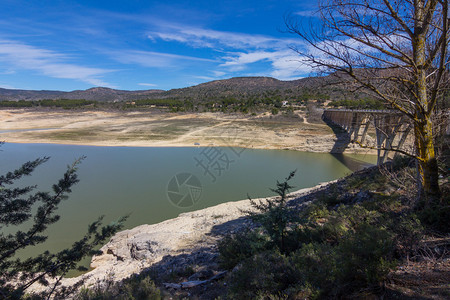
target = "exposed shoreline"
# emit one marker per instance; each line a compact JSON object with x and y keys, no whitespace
{"x":134,"y":250}
{"x":162,"y":129}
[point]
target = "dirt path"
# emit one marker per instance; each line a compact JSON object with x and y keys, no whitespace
{"x":198,"y":131}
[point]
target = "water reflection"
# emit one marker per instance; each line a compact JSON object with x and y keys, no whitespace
{"x":354,"y":163}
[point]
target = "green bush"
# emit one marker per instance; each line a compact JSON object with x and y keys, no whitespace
{"x":267,"y":272}
{"x":65,"y":103}
{"x":365,"y":256}
{"x":436,"y":215}
{"x":233,"y":249}
{"x":20,"y":103}
{"x":274,"y":216}
{"x":317,"y":266}
{"x":340,"y":245}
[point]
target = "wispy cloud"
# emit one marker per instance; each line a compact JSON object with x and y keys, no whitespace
{"x":153,"y":59}
{"x":238,"y":51}
{"x":50,"y":63}
{"x":147,"y":84}
{"x":205,"y":77}
{"x":285,"y":64}
{"x":219,"y":73}
{"x":289,"y":66}
{"x":241,"y":59}
{"x":207,"y":38}
{"x":306,"y":13}
{"x":6,"y":86}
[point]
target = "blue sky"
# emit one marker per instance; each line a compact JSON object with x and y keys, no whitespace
{"x":142,"y":44}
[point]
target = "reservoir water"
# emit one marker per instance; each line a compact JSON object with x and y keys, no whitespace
{"x":155,"y":184}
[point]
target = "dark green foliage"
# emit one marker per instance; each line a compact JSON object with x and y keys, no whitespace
{"x":270,"y":272}
{"x":360,"y":260}
{"x":65,"y":103}
{"x":274,"y":216}
{"x":235,"y":248}
{"x":20,"y":206}
{"x":316,"y":263}
{"x":436,"y":215}
{"x":61,"y":103}
{"x":340,"y":245}
{"x":19,"y":104}
{"x":365,"y":255}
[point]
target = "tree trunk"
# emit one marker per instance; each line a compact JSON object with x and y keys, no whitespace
{"x":428,"y":168}
{"x":423,"y":125}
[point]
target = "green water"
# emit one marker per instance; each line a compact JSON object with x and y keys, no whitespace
{"x":115,"y":181}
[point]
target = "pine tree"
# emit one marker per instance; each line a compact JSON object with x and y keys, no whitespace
{"x":25,"y":204}
{"x":273,"y":214}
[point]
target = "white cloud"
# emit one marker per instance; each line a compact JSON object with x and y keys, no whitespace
{"x":153,"y":59}
{"x":247,"y":58}
{"x":205,"y":78}
{"x":47,"y":62}
{"x":240,"y":50}
{"x":219,"y":73}
{"x":285,"y":64}
{"x":8,"y":72}
{"x":207,"y":38}
{"x":289,"y":67}
{"x":170,"y":37}
{"x":6,"y":86}
{"x":306,"y":13}
{"x":147,"y":84}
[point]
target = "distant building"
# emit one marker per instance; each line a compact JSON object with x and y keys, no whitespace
{"x":284,"y":103}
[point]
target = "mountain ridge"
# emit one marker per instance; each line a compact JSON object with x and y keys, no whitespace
{"x":234,"y":86}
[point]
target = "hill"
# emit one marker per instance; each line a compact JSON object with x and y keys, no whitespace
{"x":97,"y":94}
{"x":238,"y":87}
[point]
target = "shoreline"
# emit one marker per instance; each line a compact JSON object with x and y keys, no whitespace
{"x":135,"y":250}
{"x":352,"y":150}
{"x":149,"y":129}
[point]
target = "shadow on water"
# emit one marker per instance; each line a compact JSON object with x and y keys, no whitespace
{"x":351,"y":163}
{"x":342,"y":141}
{"x":343,"y":137}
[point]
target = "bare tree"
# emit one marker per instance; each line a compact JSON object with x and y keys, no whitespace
{"x":394,"y":49}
